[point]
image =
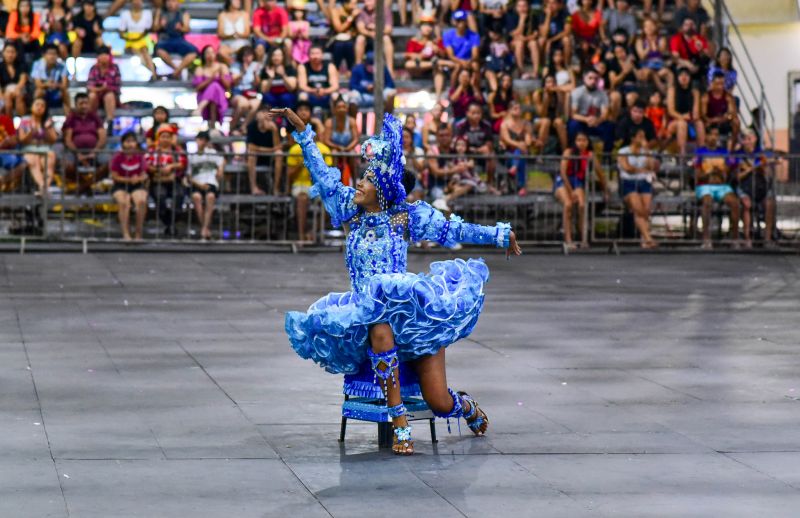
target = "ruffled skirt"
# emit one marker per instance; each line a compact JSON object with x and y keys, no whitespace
{"x":425,"y":311}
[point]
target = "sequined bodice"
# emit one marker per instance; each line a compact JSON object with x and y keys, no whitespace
{"x":376,"y":244}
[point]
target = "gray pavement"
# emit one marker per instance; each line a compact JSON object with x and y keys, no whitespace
{"x":162,"y":385}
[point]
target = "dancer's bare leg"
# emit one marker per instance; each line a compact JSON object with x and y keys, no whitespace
{"x":381,"y":340}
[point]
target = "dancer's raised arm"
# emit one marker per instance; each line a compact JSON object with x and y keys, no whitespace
{"x":337,"y":198}
{"x":428,"y":224}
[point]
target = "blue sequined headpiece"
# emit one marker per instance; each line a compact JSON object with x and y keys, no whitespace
{"x":386,"y":160}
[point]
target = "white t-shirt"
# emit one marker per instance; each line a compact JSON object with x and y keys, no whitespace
{"x":203,"y":167}
{"x":638,"y":160}
{"x":128,"y":24}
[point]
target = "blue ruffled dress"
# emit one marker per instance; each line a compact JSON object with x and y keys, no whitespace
{"x":425,"y":311}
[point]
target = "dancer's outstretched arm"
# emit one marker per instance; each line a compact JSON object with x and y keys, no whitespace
{"x":337,"y":198}
{"x":428,"y":224}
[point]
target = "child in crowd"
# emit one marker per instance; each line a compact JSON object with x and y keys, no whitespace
{"x":465,"y":181}
{"x":657,"y":113}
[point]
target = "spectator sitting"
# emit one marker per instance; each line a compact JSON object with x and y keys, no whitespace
{"x":423,"y":55}
{"x":270,"y":27}
{"x":754,"y":188}
{"x":13,"y":81}
{"x":55,"y":24}
{"x":431,"y":126}
{"x":263,"y":148}
{"x":712,"y":168}
{"x":523,"y":26}
{"x":564,"y":76}
{"x":116,"y":5}
{"x":690,"y":50}
{"x":570,"y":185}
{"x":550,"y":104}
{"x":88,"y":27}
{"x":12,"y":164}
{"x":166,"y":163}
{"x":634,"y":121}
{"x":491,"y":13}
{"x":499,"y":101}
{"x":36,"y":134}
{"x":438,"y":165}
{"x":555,"y":30}
{"x":362,"y":85}
{"x":318,"y":80}
{"x":206,"y":168}
{"x":718,"y":108}
{"x":516,"y":135}
{"x":651,"y":49}
{"x":233,"y":30}
{"x":278,"y":80}
{"x":497,"y":56}
{"x":723,"y":65}
{"x":50,"y":79}
{"x":410,"y":123}
{"x":212,"y":80}
{"x":244,"y":93}
{"x":622,"y":73}
{"x":24,"y":29}
{"x":129,"y":172}
{"x":586,"y":24}
{"x":365,"y":26}
{"x":656,"y":112}
{"x":104,"y":84}
{"x":173,"y":25}
{"x":298,"y":43}
{"x":299,"y":176}
{"x":683,"y":108}
{"x":619,"y":17}
{"x":415,"y":165}
{"x":341,"y":136}
{"x":590,"y":112}
{"x":480,"y":140}
{"x":135,"y":25}
{"x":461,"y":45}
{"x":465,"y":92}
{"x":343,"y":19}
{"x":464,"y":181}
{"x":85,"y":139}
{"x":160,"y":116}
{"x":637,"y":170}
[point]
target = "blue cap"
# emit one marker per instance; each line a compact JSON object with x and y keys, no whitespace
{"x":460,"y":15}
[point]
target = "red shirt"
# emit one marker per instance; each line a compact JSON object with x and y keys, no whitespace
{"x":415,"y":47}
{"x":158,"y":158}
{"x":129,"y":165}
{"x":688,"y":49}
{"x":586,"y":30}
{"x":6,"y":129}
{"x":271,"y":22}
{"x":84,"y":129}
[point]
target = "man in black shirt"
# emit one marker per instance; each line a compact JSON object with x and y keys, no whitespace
{"x":633,"y":121}
{"x":263,"y":138}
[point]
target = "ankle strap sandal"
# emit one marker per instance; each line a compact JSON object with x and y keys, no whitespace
{"x":402,"y":437}
{"x":476,"y":419}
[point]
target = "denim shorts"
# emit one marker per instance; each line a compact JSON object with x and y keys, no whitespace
{"x":716,"y":191}
{"x":636,"y":187}
{"x":574,"y":181}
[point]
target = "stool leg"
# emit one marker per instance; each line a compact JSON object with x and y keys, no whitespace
{"x":384,"y":435}
{"x":343,"y":429}
{"x":433,"y":431}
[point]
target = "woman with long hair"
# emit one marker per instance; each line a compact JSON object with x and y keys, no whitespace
{"x":341,"y":135}
{"x":135,"y":25}
{"x":391,"y":316}
{"x":13,"y":81}
{"x":129,"y":172}
{"x":37,"y":136}
{"x":723,"y":64}
{"x":245,"y":101}
{"x":637,"y":170}
{"x":652,"y":51}
{"x":233,"y":30}
{"x":212,"y":80}
{"x":24,"y":29}
{"x":278,"y":80}
{"x":55,"y":24}
{"x":499,"y":101}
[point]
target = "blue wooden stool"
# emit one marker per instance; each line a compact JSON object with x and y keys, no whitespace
{"x":364,"y":401}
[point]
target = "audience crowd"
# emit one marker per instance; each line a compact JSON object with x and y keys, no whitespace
{"x":607,"y":84}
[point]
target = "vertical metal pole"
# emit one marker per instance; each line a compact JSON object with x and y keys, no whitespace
{"x":380,"y":62}
{"x":46,"y":197}
{"x":719,"y":31}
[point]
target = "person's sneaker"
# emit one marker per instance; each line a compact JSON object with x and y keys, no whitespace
{"x":736,"y":244}
{"x":522,"y":192}
{"x":441,"y":204}
{"x":707,"y":245}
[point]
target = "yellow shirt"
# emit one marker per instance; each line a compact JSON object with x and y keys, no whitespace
{"x":295,"y":158}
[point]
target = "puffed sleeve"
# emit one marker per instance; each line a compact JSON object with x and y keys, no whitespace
{"x":428,"y":224}
{"x":337,"y":198}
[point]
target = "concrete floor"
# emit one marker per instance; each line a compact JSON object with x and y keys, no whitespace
{"x":162,"y":385}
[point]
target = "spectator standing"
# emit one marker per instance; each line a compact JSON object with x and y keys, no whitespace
{"x":85,"y":139}
{"x":88,"y":26}
{"x":652,"y":49}
{"x":516,"y":135}
{"x":480,"y":140}
{"x":270,"y":27}
{"x":718,"y":108}
{"x":24,"y":29}
{"x":13,"y":81}
{"x":462,"y":45}
{"x":37,"y":134}
{"x":712,"y":169}
{"x":343,"y":19}
{"x":233,"y":29}
{"x":724,"y":65}
{"x":365,"y":26}
{"x":173,"y":25}
{"x":690,"y":50}
{"x":465,"y":92}
{"x":50,"y":79}
{"x":55,"y":25}
{"x":206,"y":169}
{"x":166,"y":164}
{"x":212,"y":80}
{"x":263,"y":148}
{"x":298,"y":43}
{"x":129,"y":172}
{"x":246,"y":83}
{"x":362,"y":85}
{"x":555,"y":30}
{"x":104,"y":84}
{"x":522,"y":25}
{"x":278,"y":80}
{"x":632,"y":122}
{"x":423,"y":55}
{"x":341,"y":136}
{"x":589,"y":112}
{"x":683,"y":109}
{"x":551,"y":109}
{"x":755,"y":188}
{"x":618,"y":17}
{"x":318,"y":80}
{"x":135,"y":25}
{"x":637,"y":170}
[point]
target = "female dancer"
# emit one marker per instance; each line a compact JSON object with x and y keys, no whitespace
{"x":390,"y":315}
